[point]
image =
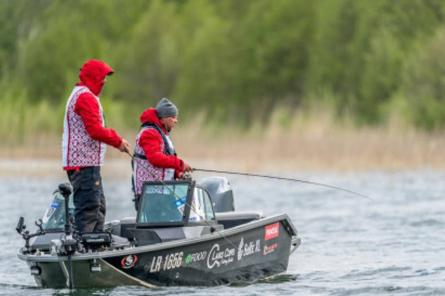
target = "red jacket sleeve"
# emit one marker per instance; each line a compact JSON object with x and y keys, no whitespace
{"x":87,"y":108}
{"x":151,"y":143}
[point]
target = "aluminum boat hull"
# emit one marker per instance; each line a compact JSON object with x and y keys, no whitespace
{"x":244,"y":253}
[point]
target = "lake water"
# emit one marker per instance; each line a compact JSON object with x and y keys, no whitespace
{"x":392,"y":245}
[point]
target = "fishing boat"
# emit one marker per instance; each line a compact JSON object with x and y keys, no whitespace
{"x":184,"y":233}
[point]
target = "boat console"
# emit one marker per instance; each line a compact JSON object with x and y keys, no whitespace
{"x":173,"y":210}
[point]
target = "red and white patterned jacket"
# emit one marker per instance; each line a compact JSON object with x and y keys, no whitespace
{"x":84,"y":134}
{"x":158,"y":166}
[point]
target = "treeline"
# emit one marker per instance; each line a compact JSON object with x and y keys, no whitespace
{"x":232,"y":59}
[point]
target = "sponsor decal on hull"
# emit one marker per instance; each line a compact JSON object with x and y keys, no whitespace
{"x":218,"y":257}
{"x":129,"y":261}
{"x":269,"y":249}
{"x":247,"y":249}
{"x":272,"y":231}
{"x":195,"y":257}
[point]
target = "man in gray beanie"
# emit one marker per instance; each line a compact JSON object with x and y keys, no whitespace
{"x":154,"y":155}
{"x":166,"y":108}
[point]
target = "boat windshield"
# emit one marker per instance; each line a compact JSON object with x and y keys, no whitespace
{"x":54,"y":217}
{"x":201,"y":208}
{"x":163,"y":203}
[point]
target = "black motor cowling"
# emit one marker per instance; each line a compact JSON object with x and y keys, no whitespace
{"x":220,"y":192}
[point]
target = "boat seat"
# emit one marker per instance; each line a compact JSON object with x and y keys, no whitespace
{"x":119,"y":241}
{"x":232,"y":219}
{"x":128,"y":220}
{"x":121,"y":227}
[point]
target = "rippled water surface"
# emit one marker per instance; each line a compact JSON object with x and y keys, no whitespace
{"x":393,"y":245}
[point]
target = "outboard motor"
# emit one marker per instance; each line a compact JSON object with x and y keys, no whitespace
{"x":220,"y":192}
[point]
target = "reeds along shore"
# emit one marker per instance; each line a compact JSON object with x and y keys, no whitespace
{"x":297,"y":143}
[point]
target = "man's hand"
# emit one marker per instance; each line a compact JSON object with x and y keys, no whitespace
{"x":187,"y":167}
{"x":125,"y":146}
{"x":183,"y":174}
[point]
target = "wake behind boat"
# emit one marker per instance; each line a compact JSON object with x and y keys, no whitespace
{"x":184,"y":233}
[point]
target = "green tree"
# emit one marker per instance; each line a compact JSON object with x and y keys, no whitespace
{"x":424,"y":84}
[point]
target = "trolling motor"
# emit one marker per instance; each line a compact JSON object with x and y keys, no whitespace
{"x":69,"y":244}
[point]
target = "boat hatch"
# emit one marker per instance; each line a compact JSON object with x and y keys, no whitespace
{"x":174,"y":203}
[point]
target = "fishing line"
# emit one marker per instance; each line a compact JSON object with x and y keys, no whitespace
{"x":284,"y":179}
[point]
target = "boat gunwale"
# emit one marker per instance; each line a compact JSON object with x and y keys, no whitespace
{"x":163,"y":246}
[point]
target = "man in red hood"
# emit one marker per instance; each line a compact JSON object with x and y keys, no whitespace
{"x":84,"y":143}
{"x":154,"y":155}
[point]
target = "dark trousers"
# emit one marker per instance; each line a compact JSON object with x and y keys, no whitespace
{"x":89,"y":199}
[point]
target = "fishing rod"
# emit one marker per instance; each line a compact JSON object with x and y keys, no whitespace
{"x":284,"y":179}
{"x":277,"y":178}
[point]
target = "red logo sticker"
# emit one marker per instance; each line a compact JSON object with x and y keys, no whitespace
{"x":129,"y":261}
{"x":272,"y":231}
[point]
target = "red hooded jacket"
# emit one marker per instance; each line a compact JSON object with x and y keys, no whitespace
{"x":92,"y":75}
{"x":150,"y":141}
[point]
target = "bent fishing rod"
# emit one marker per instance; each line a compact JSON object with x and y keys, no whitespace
{"x":278,"y":178}
{"x":284,"y":179}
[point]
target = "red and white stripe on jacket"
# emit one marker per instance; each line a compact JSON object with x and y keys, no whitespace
{"x":144,"y":171}
{"x":79,"y":149}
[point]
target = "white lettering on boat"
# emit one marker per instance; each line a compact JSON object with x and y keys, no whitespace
{"x":249,"y":248}
{"x":167,"y":262}
{"x":218,"y":257}
{"x":195,"y":257}
{"x":156,"y":264}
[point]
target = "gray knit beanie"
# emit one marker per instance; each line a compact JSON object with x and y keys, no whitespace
{"x":165,"y":108}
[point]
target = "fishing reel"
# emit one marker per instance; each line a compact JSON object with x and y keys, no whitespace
{"x":187,"y":176}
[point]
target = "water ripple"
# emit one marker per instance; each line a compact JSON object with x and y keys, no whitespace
{"x":427,"y":222}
